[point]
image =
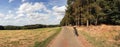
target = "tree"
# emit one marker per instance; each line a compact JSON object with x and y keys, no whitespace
{"x":86,"y":12}
{"x":1,"y":28}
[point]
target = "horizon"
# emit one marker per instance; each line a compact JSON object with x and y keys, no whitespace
{"x":29,"y":12}
{"x":29,"y":24}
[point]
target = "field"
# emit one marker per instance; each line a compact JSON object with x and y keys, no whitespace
{"x":25,"y":38}
{"x":101,"y":36}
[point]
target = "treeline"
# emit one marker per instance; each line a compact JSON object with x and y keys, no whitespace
{"x":95,"y":12}
{"x":26,"y":27}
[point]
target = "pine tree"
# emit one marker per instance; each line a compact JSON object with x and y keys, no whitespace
{"x":86,"y":12}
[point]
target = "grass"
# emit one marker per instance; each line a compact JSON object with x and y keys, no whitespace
{"x":46,"y":41}
{"x":102,"y":38}
{"x":25,"y":38}
{"x":92,"y":40}
{"x":117,"y":37}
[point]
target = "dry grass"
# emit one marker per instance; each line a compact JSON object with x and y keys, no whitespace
{"x":24,"y":38}
{"x":102,"y":36}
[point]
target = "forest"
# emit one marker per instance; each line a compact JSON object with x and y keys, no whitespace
{"x":34,"y":26}
{"x":92,"y":12}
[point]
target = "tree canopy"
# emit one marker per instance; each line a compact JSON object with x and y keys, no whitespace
{"x":86,"y":12}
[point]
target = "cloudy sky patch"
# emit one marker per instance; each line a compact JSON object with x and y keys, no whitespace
{"x":24,"y":12}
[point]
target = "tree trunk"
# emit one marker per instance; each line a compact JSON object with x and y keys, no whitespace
{"x":96,"y":21}
{"x":87,"y":23}
{"x":66,"y":23}
{"x":76,"y":23}
{"x":78,"y":20}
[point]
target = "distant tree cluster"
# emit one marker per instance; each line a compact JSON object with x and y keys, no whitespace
{"x":26,"y":27}
{"x":95,"y":12}
{"x":1,"y":28}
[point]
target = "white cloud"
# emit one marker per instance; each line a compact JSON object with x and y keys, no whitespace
{"x":33,"y":13}
{"x":10,"y":1}
{"x":59,"y":12}
{"x":9,"y":17}
{"x":19,"y":16}
{"x":1,"y":15}
{"x":57,"y":2}
{"x":29,"y":7}
{"x":59,"y":9}
{"x":23,"y":0}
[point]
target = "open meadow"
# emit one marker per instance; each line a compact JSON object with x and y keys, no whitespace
{"x":101,"y":36}
{"x":26,"y":38}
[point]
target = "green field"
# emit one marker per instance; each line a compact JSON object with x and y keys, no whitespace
{"x":26,"y":38}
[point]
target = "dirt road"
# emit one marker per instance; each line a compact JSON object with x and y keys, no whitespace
{"x":66,"y":38}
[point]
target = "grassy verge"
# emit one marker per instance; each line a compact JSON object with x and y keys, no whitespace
{"x":46,"y":41}
{"x":89,"y":38}
{"x":97,"y":42}
{"x":100,"y":41}
{"x":117,"y":38}
{"x":101,"y":36}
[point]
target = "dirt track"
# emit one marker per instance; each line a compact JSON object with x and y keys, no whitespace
{"x":66,"y":38}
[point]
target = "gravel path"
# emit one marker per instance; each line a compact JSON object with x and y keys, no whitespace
{"x":66,"y":38}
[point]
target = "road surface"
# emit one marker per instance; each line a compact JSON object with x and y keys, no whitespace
{"x":66,"y":38}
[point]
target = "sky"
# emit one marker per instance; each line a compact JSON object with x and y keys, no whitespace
{"x":27,"y":12}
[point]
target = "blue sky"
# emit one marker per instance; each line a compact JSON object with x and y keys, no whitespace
{"x":24,"y":12}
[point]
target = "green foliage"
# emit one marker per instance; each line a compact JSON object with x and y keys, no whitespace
{"x":12,"y":27}
{"x":1,"y":28}
{"x":26,"y":27}
{"x":81,"y":12}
